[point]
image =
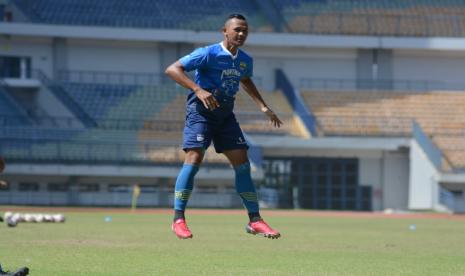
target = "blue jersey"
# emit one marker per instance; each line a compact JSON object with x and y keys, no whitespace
{"x":218,"y":71}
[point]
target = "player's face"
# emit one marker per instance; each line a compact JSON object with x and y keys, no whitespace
{"x":236,"y":32}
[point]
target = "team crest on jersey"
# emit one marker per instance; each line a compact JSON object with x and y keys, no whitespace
{"x":243,"y":65}
{"x":229,"y":87}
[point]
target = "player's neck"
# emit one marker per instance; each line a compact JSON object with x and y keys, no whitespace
{"x":231,"y":48}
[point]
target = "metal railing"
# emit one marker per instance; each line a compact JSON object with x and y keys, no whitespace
{"x":123,"y":78}
{"x":104,"y":152}
{"x":108,"y":77}
{"x":171,"y":121}
{"x":167,"y":124}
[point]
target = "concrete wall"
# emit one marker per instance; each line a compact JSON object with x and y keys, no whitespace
{"x":113,"y":56}
{"x":388,"y":175}
{"x":302,"y":63}
{"x":429,"y":65}
{"x":39,"y":49}
{"x":423,"y":191}
{"x":365,"y":64}
{"x":385,"y":61}
{"x":207,"y":193}
{"x":395,"y":180}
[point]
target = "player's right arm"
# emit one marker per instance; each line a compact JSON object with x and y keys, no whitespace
{"x":176,"y":71}
{"x":252,"y":90}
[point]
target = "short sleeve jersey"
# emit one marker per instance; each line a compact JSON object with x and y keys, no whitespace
{"x":217,"y":70}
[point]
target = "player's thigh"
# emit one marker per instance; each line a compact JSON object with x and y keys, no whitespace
{"x":229,"y":137}
{"x":197,"y":134}
{"x":236,"y":156}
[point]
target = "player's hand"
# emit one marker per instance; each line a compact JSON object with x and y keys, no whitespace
{"x":206,"y":98}
{"x":275,"y":121}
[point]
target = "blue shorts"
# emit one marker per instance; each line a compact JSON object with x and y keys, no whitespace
{"x":203,"y":126}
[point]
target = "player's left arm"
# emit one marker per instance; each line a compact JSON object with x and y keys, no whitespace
{"x":252,"y":90}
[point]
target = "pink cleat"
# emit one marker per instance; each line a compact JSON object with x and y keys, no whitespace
{"x":261,"y":228}
{"x":181,"y":230}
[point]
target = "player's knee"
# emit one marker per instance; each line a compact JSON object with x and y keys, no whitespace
{"x":194,"y":157}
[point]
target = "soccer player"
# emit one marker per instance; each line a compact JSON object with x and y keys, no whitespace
{"x":219,"y":68}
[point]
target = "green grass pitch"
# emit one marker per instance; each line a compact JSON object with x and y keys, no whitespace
{"x":143,"y":244}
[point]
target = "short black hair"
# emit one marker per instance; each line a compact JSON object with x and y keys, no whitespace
{"x":237,"y":16}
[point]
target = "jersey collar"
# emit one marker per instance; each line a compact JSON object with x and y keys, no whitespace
{"x":227,"y":51}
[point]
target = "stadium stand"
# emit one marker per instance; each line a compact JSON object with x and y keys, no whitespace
{"x":380,"y":113}
{"x":84,"y":146}
{"x":378,"y":17}
{"x":390,"y":113}
{"x":107,"y":103}
{"x":453,"y":148}
{"x":253,"y":121}
{"x":111,"y":114}
{"x":124,"y":122}
{"x":11,"y":112}
{"x":205,"y":15}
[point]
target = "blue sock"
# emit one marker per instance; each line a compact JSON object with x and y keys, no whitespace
{"x":245,"y":187}
{"x":184,"y":186}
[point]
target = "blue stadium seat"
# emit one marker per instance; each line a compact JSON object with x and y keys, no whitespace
{"x":10,"y":112}
{"x":376,"y":17}
{"x":116,"y":103}
{"x":201,"y":14}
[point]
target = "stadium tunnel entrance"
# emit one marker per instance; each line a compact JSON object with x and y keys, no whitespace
{"x":315,"y":183}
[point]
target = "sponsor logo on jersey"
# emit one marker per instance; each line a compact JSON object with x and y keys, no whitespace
{"x":230,"y":73}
